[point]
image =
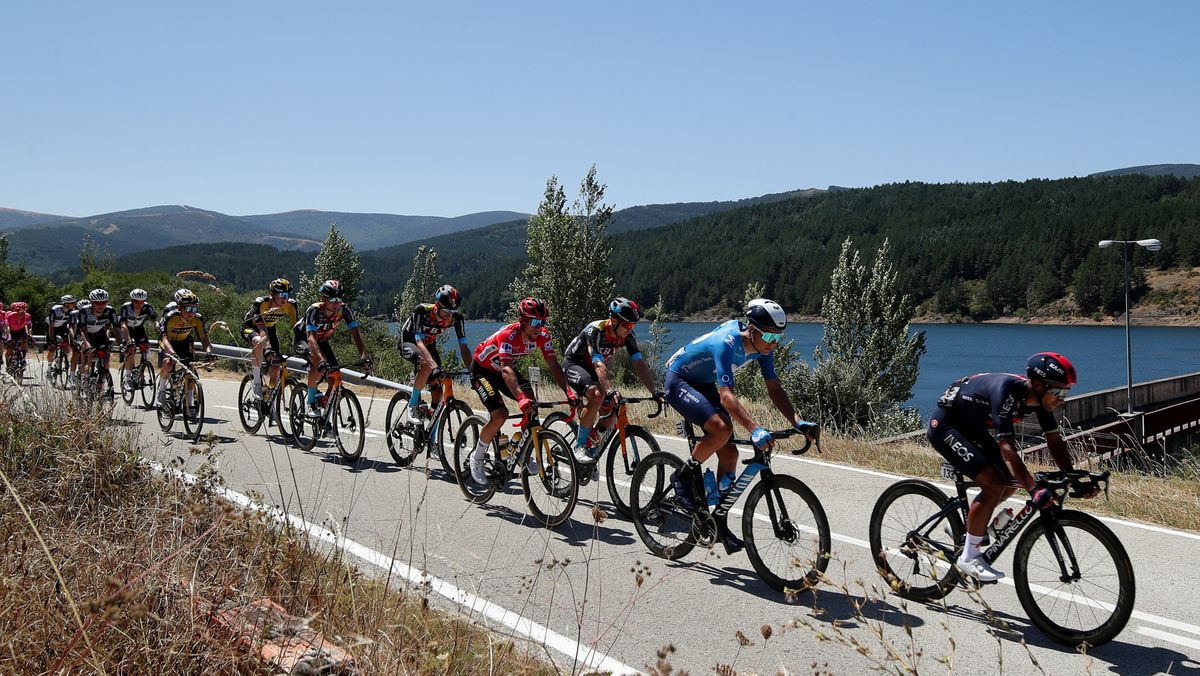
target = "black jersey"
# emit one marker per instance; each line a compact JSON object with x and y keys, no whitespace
{"x":135,"y":318}
{"x":995,"y":400}
{"x":425,"y":325}
{"x":595,"y":344}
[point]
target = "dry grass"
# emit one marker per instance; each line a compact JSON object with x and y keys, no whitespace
{"x":134,"y":563}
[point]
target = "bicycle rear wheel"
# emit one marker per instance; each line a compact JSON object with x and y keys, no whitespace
{"x":621,"y":464}
{"x":664,"y":527}
{"x":147,"y":383}
{"x":348,"y":426}
{"x":166,"y":413}
{"x":57,"y":374}
{"x":464,"y":444}
{"x":249,"y":411}
{"x":913,"y":545}
{"x":191,"y":404}
{"x":300,"y":421}
{"x":401,"y":441}
{"x":1090,"y":608}
{"x":127,"y":393}
{"x":277,"y":408}
{"x":453,"y":417}
{"x":787,"y":533}
{"x":562,"y":423}
{"x":551,"y":494}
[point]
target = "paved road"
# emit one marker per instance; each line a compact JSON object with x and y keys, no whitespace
{"x":580,"y":580}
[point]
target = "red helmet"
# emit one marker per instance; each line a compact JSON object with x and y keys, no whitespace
{"x":533,"y":308}
{"x":447,"y":296}
{"x":1051,"y":368}
{"x":19,"y":306}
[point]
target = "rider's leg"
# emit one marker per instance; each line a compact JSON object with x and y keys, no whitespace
{"x":414,"y":397}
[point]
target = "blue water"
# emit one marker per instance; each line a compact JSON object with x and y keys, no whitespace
{"x":956,"y":350}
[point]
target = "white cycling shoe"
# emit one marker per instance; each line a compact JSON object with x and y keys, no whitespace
{"x":477,"y":473}
{"x":582,"y":456}
{"x":979,"y":569}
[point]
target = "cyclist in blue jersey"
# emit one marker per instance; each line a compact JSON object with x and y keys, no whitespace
{"x":699,"y":385}
{"x":959,"y":431}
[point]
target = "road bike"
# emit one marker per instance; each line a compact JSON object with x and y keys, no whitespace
{"x":541,"y":457}
{"x":58,"y":367}
{"x":784,"y":525}
{"x":1072,"y":575}
{"x":95,"y":383}
{"x":435,"y":432}
{"x":144,"y":378}
{"x":16,"y":363}
{"x":338,"y":414}
{"x":622,"y":447}
{"x":184,"y":395}
{"x":271,"y":404}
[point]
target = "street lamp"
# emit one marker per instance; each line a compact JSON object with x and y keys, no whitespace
{"x":1127,"y":245}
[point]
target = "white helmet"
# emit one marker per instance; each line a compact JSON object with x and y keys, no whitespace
{"x":98,"y":296}
{"x":182,"y":293}
{"x":766,"y":315}
{"x":137,"y":294}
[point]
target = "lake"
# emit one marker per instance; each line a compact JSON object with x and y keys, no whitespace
{"x":957,"y":350}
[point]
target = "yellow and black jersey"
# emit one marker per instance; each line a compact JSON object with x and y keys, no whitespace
{"x":176,"y":328}
{"x":263,"y":312}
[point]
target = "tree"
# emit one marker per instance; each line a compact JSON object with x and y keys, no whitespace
{"x":421,"y":284}
{"x":3,"y":249}
{"x":568,"y":254}
{"x":337,"y":260}
{"x":868,"y":362}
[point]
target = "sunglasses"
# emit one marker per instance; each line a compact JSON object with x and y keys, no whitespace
{"x":771,"y":337}
{"x":334,"y":301}
{"x":1060,"y":392}
{"x":537,"y":322}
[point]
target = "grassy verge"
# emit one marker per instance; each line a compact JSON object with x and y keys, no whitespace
{"x":1166,"y":496}
{"x":110,"y":568}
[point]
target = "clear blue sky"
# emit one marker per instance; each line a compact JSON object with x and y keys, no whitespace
{"x":450,"y":108}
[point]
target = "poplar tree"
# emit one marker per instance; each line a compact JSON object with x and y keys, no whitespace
{"x":421,"y":284}
{"x":337,"y":260}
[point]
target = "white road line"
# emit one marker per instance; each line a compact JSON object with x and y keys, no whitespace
{"x":1171,"y":638}
{"x":522,"y":625}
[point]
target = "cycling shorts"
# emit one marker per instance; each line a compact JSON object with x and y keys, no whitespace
{"x":490,"y":387}
{"x":249,"y":333}
{"x":580,"y":377}
{"x":183,"y":348}
{"x":413,"y":356}
{"x":970,"y":450}
{"x":695,"y":402}
{"x":137,"y":335}
{"x":330,"y":358}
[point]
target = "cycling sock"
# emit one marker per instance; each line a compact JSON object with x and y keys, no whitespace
{"x":726,"y":480}
{"x":257,"y":373}
{"x":415,"y":400}
{"x":312,"y":395}
{"x":971,"y":549}
{"x":582,"y":438}
{"x":480,"y":450}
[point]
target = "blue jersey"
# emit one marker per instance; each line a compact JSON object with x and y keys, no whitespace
{"x":713,"y":357}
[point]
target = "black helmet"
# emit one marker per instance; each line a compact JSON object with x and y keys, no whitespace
{"x":625,"y":310}
{"x":447,"y":296}
{"x":332,"y":288}
{"x":766,"y":315}
{"x":1051,"y":368}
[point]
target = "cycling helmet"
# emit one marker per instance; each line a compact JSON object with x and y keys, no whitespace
{"x":1,"y":306}
{"x":625,"y":310}
{"x":67,"y":299}
{"x":533,"y":308}
{"x":1051,"y":368}
{"x":766,"y":315}
{"x":84,"y":304}
{"x":280,"y":285}
{"x":181,"y":293}
{"x":137,"y":294}
{"x":448,"y":297}
{"x":332,"y":288}
{"x":19,"y":306}
{"x":186,"y":298}
{"x":98,"y":296}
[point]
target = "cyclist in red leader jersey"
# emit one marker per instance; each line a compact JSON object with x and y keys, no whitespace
{"x":493,"y":374}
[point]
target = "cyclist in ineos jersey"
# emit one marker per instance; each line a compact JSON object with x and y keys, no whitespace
{"x":699,"y":385}
{"x":494,"y":375}
{"x":958,"y":429}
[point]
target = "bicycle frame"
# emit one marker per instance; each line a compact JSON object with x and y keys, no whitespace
{"x":759,"y":464}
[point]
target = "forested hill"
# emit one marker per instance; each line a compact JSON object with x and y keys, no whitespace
{"x":1180,"y":170}
{"x":983,"y":249}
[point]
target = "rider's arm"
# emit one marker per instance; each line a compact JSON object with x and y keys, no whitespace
{"x":733,"y":406}
{"x":460,"y":334}
{"x":1008,"y":449}
{"x":356,"y":336}
{"x":780,"y":399}
{"x":547,"y":348}
{"x":1004,"y":409}
{"x":510,"y":378}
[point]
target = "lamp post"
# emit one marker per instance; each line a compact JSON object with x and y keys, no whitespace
{"x":1126,"y":252}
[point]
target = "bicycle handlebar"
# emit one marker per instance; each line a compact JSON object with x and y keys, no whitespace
{"x":1081,"y":483}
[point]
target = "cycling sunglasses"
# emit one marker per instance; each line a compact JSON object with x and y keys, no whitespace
{"x":1060,"y":392}
{"x":334,"y":301}
{"x":191,"y":308}
{"x":771,"y":337}
{"x":284,"y":294}
{"x":537,"y":322}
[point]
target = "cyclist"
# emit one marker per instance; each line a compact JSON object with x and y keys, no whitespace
{"x":19,"y":326}
{"x":586,"y":367}
{"x":258,"y":327}
{"x":177,"y":330}
{"x":699,"y":385}
{"x":95,"y":325}
{"x":75,"y":334}
{"x":494,"y":376}
{"x":958,"y":429}
{"x":418,"y":341}
{"x":57,"y":330}
{"x":3,"y":331}
{"x":132,"y":318}
{"x":313,"y":331}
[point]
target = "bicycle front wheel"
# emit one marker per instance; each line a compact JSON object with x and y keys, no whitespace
{"x":303,"y":427}
{"x":787,"y":534}
{"x":249,"y":411}
{"x":166,"y":414}
{"x":624,"y":460}
{"x":191,"y":402}
{"x":915,"y":539}
{"x":552,"y":492}
{"x":127,"y":393}
{"x":1091,"y":603}
{"x":464,"y":444}
{"x":348,"y":425}
{"x":453,"y":417}
{"x":663,"y":525}
{"x":147,"y":383}
{"x":400,"y":441}
{"x":560,"y":422}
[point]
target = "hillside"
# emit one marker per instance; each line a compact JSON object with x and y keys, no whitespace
{"x":654,"y":215}
{"x":15,"y":219}
{"x":372,"y":231}
{"x":56,"y":245}
{"x":1180,"y":170}
{"x":247,"y":267}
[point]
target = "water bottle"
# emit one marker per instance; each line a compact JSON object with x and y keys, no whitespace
{"x":504,"y":445}
{"x":1001,"y":521}
{"x":710,"y":487}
